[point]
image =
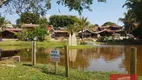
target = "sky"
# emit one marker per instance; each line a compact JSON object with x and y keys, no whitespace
{"x":102,"y":12}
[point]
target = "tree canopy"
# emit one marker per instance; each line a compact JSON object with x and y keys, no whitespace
{"x":43,"y":21}
{"x":41,"y":6}
{"x":29,"y":18}
{"x":40,"y":33}
{"x":108,"y":23}
{"x":82,"y":24}
{"x":3,"y":22}
{"x":129,"y":21}
{"x":62,"y":20}
{"x":135,"y":6}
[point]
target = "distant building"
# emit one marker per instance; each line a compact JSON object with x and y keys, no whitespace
{"x":61,"y":33}
{"x":86,"y":33}
{"x":108,"y":30}
{"x":10,"y":33}
{"x":57,"y":33}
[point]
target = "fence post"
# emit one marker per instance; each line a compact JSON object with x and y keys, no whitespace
{"x":33,"y":53}
{"x":56,"y":67}
{"x":133,"y":60}
{"x":66,"y":62}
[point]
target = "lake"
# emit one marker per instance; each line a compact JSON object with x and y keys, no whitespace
{"x":102,"y":58}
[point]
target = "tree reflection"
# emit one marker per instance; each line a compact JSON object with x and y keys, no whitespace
{"x":126,"y":61}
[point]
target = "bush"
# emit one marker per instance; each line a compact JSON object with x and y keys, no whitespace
{"x":83,"y":43}
{"x":21,"y":35}
{"x":101,"y":39}
{"x":40,"y":33}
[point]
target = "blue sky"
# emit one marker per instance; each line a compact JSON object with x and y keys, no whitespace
{"x":102,"y":12}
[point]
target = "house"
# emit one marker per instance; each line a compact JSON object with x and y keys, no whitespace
{"x":61,"y":33}
{"x":108,"y":30}
{"x":57,"y":33}
{"x":10,"y":33}
{"x":86,"y":33}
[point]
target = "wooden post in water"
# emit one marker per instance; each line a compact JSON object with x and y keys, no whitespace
{"x":133,"y":60}
{"x":66,"y":62}
{"x":33,"y":53}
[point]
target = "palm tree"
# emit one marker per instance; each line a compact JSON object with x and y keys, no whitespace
{"x":82,"y":24}
{"x":71,"y":29}
{"x":129,"y":21}
{"x":3,"y":22}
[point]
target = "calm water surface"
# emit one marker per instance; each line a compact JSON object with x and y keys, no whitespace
{"x":101,"y":58}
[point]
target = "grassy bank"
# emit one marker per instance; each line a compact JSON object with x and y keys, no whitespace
{"x":22,"y":71}
{"x":24,"y":44}
{"x":29,"y":43}
{"x":122,"y":42}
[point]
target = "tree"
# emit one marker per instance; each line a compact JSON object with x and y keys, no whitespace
{"x":3,"y":22}
{"x":21,"y":35}
{"x":40,"y":32}
{"x":18,"y":22}
{"x":62,"y":20}
{"x":129,"y":21}
{"x":82,"y":24}
{"x":41,"y":6}
{"x":91,"y":27}
{"x":108,"y":23}
{"x":71,"y":29}
{"x":43,"y":21}
{"x":33,"y":6}
{"x":135,"y":6}
{"x":29,"y":18}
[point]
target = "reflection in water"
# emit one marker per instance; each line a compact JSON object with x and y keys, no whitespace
{"x":95,"y":59}
{"x":126,"y":61}
{"x":72,"y":55}
{"x":4,"y":54}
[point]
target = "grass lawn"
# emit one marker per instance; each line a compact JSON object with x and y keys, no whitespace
{"x":25,"y":44}
{"x":21,"y":71}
